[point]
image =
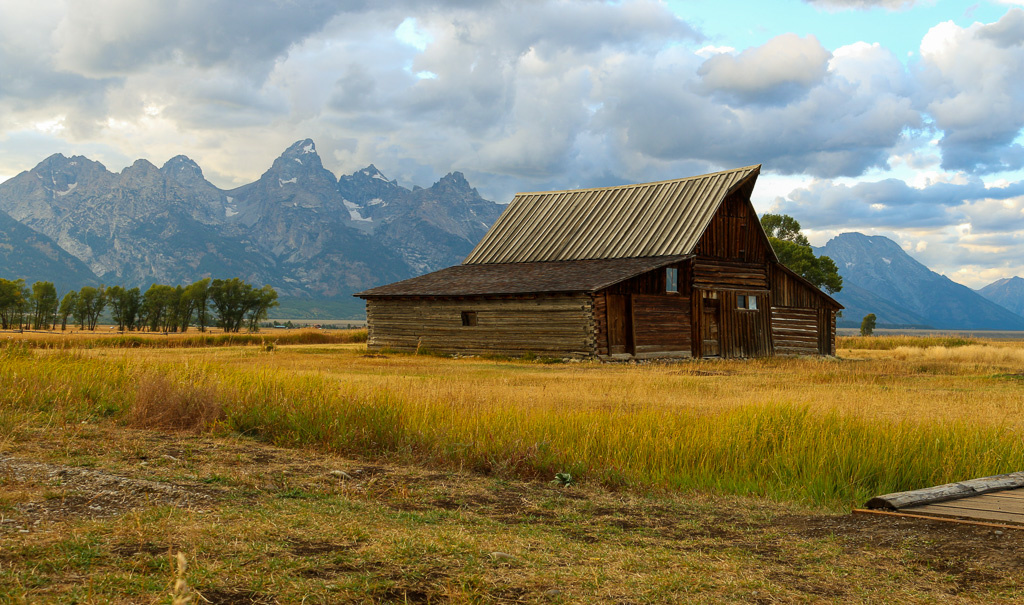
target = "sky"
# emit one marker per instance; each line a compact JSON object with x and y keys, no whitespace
{"x":900,"y":118}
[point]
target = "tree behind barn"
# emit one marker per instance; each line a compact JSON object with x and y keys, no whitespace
{"x":795,"y":252}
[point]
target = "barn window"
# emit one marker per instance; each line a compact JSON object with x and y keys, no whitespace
{"x":469,"y":318}
{"x":746,"y":301}
{"x":671,"y":279}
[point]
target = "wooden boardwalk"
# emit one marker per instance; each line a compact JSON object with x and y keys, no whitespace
{"x":998,"y":499}
{"x":1001,"y":507}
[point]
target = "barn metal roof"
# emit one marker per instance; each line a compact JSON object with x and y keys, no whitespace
{"x":523,"y":278}
{"x":646,"y":220}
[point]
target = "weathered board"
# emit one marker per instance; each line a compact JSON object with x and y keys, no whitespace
{"x":734,"y":233}
{"x":661,"y":324}
{"x":949,"y":491}
{"x":795,"y":331}
{"x":559,"y":325}
{"x":1004,"y":506}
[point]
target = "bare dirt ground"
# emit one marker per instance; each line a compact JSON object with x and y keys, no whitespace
{"x":95,"y":514}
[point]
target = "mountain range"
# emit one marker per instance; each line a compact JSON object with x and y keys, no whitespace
{"x":298,"y":228}
{"x":1007,"y":292}
{"x":880,"y":277}
{"x":318,"y":238}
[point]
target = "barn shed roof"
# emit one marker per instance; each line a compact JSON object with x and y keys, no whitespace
{"x":645,"y":220}
{"x":523,"y":278}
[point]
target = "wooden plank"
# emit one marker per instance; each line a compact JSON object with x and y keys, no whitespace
{"x":965,"y":513}
{"x":986,"y":503}
{"x":950,"y":491}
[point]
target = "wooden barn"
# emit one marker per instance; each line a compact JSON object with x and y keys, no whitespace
{"x":675,"y":268}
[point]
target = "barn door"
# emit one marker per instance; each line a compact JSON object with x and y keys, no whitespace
{"x":620,"y":324}
{"x":709,"y":328}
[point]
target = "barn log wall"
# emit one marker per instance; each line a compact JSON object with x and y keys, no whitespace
{"x":718,"y":274}
{"x":554,"y":325}
{"x":806,"y":323}
{"x":795,"y":330}
{"x":599,"y":305}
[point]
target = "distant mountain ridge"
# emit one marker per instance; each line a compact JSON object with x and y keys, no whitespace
{"x":297,"y":227}
{"x":880,"y":277}
{"x":1008,"y":292}
{"x":27,"y":254}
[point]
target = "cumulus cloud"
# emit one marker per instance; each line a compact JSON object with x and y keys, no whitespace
{"x":782,"y":69}
{"x":969,"y":83}
{"x":832,"y":126}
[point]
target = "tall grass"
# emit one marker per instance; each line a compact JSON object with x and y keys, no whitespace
{"x":151,"y":340}
{"x":780,"y":448}
{"x":888,"y":343}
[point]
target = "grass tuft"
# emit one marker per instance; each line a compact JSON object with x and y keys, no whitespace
{"x":192,"y":404}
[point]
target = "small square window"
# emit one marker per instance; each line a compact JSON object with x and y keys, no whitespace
{"x":469,"y":318}
{"x":746,"y":301}
{"x":671,"y":279}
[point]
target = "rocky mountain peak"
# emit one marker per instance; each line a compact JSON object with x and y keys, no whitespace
{"x":141,"y":174}
{"x":300,"y":148}
{"x":455,"y":182}
{"x":181,"y":164}
{"x":369,"y":184}
{"x":58,"y":172}
{"x":299,"y":162}
{"x":142,"y":165}
{"x":1007,"y":292}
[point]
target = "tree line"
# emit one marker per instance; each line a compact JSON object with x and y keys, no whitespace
{"x":226,"y":303}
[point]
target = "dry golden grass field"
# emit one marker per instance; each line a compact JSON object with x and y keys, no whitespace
{"x":293,"y":466}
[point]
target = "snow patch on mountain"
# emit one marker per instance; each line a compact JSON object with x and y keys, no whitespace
{"x":353,"y":212}
{"x":71,"y":187}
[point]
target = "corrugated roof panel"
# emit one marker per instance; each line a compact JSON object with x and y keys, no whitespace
{"x":649,"y":219}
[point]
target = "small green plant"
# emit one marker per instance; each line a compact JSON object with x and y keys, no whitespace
{"x":564,"y":479}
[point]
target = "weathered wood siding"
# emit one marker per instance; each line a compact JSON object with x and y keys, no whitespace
{"x":795,"y":330}
{"x":744,"y":332}
{"x":555,"y":325}
{"x":735,"y":233}
{"x":718,"y":274}
{"x":661,"y":324}
{"x":798,"y":305}
{"x":655,"y":321}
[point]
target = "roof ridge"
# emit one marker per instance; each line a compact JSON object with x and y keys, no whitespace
{"x":630,"y":185}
